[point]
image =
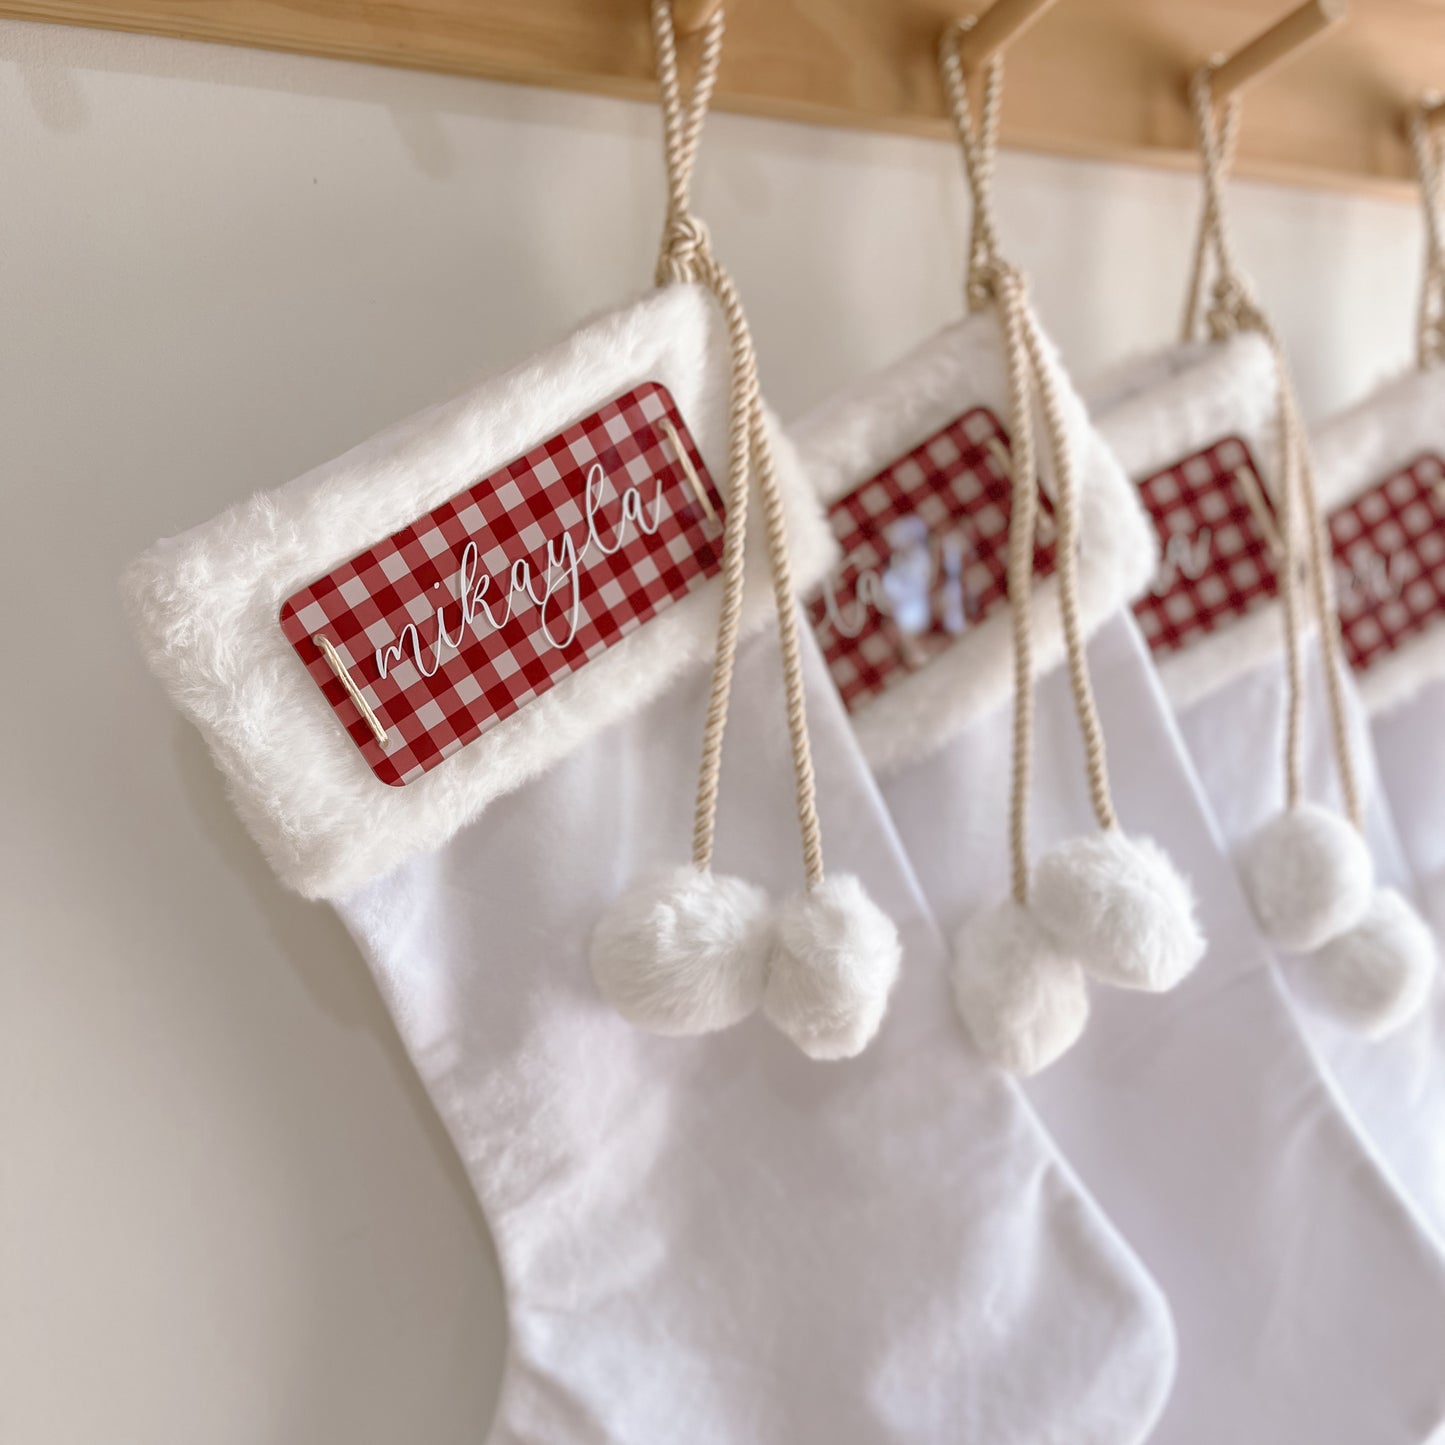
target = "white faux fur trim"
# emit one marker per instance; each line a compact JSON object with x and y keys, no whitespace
{"x":1355,"y":450}
{"x":858,"y":432}
{"x":206,"y":603}
{"x":1157,"y":409}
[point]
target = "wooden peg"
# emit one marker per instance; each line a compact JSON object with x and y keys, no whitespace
{"x":691,"y":16}
{"x":1287,"y":37}
{"x":996,"y":28}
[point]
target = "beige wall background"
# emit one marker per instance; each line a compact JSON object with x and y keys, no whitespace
{"x":227,"y":1213}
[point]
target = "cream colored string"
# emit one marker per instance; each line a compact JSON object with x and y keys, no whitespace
{"x":686,"y":256}
{"x":1232,"y":306}
{"x":1231,"y":297}
{"x":1430,"y":333}
{"x":1232,"y":309}
{"x":994,"y":281}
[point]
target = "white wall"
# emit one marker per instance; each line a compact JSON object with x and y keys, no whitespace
{"x":226,"y":1211}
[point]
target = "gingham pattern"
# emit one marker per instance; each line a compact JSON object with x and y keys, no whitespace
{"x":1216,"y":563}
{"x":363,"y":605}
{"x":1389,"y":546}
{"x":924,"y":557}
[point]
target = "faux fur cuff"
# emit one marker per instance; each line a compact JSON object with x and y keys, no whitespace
{"x":205,"y":604}
{"x":854,"y":435}
{"x":1158,"y":409}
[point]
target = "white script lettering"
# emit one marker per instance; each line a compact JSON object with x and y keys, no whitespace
{"x":553,"y":585}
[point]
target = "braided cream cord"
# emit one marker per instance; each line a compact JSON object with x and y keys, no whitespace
{"x":1430,"y":335}
{"x":1023,"y":525}
{"x":1067,"y":551}
{"x":994,"y":281}
{"x":686,"y":256}
{"x":1232,"y":309}
{"x":1231,"y":295}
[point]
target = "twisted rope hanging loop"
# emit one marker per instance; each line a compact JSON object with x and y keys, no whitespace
{"x":686,"y":256}
{"x":1304,"y":549}
{"x":992,"y":281}
{"x":1430,"y":333}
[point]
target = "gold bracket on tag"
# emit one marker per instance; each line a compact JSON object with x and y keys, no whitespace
{"x":1045,"y":533}
{"x":334,"y":662}
{"x":1254,"y":494}
{"x":689,"y":471}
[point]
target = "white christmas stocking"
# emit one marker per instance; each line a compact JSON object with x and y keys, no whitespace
{"x":1199,"y":1116}
{"x":1210,"y":433}
{"x":1381,"y":468}
{"x":454,"y":682}
{"x":1382,"y":474}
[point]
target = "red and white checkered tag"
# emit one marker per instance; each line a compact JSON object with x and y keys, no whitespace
{"x":1389,"y":546}
{"x":465,"y":616}
{"x":1216,"y":561}
{"x":925,"y":557}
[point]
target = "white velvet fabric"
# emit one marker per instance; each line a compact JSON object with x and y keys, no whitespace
{"x":704,"y":1240}
{"x":1409,"y":741}
{"x":1228,"y":693}
{"x":719,"y":1240}
{"x":1395,"y":1086}
{"x":1309,"y":1302}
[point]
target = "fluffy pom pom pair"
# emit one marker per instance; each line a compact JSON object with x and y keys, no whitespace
{"x":688,"y":952}
{"x":1312,"y":883}
{"x":1105,"y":907}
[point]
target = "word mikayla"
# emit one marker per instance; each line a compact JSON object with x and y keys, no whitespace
{"x":552,"y":584}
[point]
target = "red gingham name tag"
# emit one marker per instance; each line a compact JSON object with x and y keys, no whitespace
{"x":925,"y":557}
{"x":1389,"y":546}
{"x":460,"y":619}
{"x":1216,"y":564}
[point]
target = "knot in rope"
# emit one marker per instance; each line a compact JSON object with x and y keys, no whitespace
{"x":979,"y":145}
{"x":686,"y":256}
{"x":990,"y":278}
{"x":1233,"y":309}
{"x":686,"y":253}
{"x":1232,"y":305}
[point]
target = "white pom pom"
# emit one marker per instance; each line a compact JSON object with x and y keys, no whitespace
{"x":1378,"y":974}
{"x":1120,"y":907}
{"x":684,"y":951}
{"x":835,"y":961}
{"x":1023,"y":1000}
{"x":1309,"y":877}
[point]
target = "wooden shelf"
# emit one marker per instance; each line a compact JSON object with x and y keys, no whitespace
{"x":1099,"y":78}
